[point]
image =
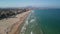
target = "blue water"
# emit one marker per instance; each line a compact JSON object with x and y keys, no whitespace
{"x":42,"y":22}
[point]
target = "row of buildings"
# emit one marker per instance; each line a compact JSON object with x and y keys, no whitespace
{"x":4,"y":13}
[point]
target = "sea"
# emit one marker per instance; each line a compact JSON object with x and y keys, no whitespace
{"x":42,"y":21}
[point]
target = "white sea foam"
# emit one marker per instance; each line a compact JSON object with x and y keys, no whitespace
{"x":25,"y":25}
{"x":26,"y":22}
{"x":31,"y":32}
{"x":32,"y":20}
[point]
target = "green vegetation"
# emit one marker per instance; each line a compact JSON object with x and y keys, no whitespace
{"x":8,"y":12}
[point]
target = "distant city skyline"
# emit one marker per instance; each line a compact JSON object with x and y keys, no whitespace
{"x":34,"y":3}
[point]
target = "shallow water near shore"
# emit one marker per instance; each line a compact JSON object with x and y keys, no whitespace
{"x":42,"y":22}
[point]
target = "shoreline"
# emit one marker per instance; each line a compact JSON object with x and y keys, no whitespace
{"x":15,"y":29}
{"x":12,"y":25}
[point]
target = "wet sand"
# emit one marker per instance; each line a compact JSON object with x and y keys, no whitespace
{"x":12,"y":25}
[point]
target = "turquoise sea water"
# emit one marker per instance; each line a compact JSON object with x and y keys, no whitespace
{"x":42,"y":22}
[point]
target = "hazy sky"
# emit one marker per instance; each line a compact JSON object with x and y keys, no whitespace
{"x":23,"y":3}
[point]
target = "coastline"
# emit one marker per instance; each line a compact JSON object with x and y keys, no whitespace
{"x":15,"y":29}
{"x":13,"y":25}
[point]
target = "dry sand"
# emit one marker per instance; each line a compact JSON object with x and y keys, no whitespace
{"x":11,"y":25}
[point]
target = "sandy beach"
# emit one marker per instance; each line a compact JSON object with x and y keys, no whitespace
{"x":11,"y":25}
